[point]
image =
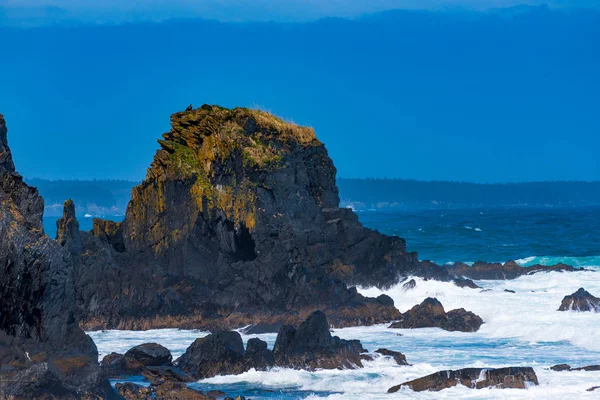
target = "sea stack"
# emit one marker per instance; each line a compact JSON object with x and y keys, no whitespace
{"x":43,"y":352}
{"x":237,"y":222}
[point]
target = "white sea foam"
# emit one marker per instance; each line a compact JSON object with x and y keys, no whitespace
{"x":520,"y":329}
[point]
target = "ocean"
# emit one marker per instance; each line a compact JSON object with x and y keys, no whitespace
{"x":521,"y":329}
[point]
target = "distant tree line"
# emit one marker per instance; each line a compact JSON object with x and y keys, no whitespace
{"x":112,"y":196}
{"x":385,"y":193}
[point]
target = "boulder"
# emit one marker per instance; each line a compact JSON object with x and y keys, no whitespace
{"x":567,"y":367}
{"x":258,"y":356}
{"x":148,"y":355}
{"x":560,"y":367}
{"x":178,"y":391}
{"x":159,"y":375}
{"x":311,"y":346}
{"x":581,"y":300}
{"x":220,"y":353}
{"x":431,"y":314}
{"x":397,"y":356}
{"x":474,"y":378}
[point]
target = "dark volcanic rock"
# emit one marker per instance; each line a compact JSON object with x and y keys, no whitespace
{"x":397,"y":356}
{"x":581,"y":300}
{"x":561,"y":367}
{"x":178,"y":391}
{"x":148,"y":355}
{"x":475,"y":378}
{"x":497,"y":271}
{"x":159,"y":375}
{"x":43,"y":352}
{"x":132,"y":391}
{"x":311,"y":346}
{"x":430,"y":314}
{"x":237,"y":222}
{"x":410,"y":285}
{"x":257,"y":355}
{"x":220,"y":353}
{"x":593,"y":388}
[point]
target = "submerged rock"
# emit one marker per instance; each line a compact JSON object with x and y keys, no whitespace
{"x":311,"y":346}
{"x":475,"y":378}
{"x":561,"y":367}
{"x":430,"y":314}
{"x":43,"y":351}
{"x":497,"y":271}
{"x":567,"y":367}
{"x":410,"y":285}
{"x":581,"y":300}
{"x":397,"y":356}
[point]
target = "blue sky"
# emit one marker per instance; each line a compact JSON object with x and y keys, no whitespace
{"x":483,"y":97}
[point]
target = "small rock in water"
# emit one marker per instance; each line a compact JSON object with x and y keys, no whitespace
{"x":430,"y":314}
{"x":560,"y":367}
{"x":593,"y":388}
{"x":398,"y":357}
{"x":509,"y":291}
{"x":409,"y":285}
{"x":474,"y":378}
{"x":581,"y":300}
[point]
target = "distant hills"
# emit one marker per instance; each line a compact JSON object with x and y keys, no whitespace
{"x":110,"y":197}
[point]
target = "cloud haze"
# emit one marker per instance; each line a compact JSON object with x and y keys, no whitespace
{"x":253,"y":10}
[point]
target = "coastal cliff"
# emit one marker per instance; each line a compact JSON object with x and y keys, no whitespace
{"x":237,"y":222}
{"x":43,"y":352}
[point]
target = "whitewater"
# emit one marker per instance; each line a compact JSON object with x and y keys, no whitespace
{"x":521,"y":329}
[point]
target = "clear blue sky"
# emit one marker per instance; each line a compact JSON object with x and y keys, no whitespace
{"x":509,"y":95}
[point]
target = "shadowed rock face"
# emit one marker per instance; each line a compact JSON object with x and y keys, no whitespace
{"x":430,"y":314}
{"x":475,"y":378}
{"x":237,"y":222}
{"x":581,"y":300}
{"x":43,"y":352}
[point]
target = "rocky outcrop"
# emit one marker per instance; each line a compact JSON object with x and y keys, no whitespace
{"x":220,"y":353}
{"x":430,"y":314}
{"x":311,"y":346}
{"x":581,"y":300}
{"x":397,"y":356}
{"x":237,"y":223}
{"x":136,"y":360}
{"x":475,"y":378}
{"x":567,"y":367}
{"x":497,"y":271}
{"x":43,"y":352}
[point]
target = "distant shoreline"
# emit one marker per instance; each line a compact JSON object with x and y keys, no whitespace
{"x":110,"y":197}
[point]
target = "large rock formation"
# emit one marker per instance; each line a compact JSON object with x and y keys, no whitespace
{"x":474,"y":378}
{"x":237,"y":222}
{"x":581,"y":300}
{"x":43,"y":352}
{"x":431,"y":314}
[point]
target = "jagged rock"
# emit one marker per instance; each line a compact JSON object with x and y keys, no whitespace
{"x":475,"y":378}
{"x":258,"y":356}
{"x":67,"y":229}
{"x":497,"y":271}
{"x":410,"y":285}
{"x":397,"y":356}
{"x":581,"y":300}
{"x":430,"y":314}
{"x":561,"y":367}
{"x":43,"y":352}
{"x":220,"y":353}
{"x":311,"y":346}
{"x":132,"y":391}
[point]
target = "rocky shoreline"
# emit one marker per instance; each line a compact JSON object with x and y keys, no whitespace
{"x":237,"y":224}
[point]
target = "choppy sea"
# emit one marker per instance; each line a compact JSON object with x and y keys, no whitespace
{"x":521,"y":329}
